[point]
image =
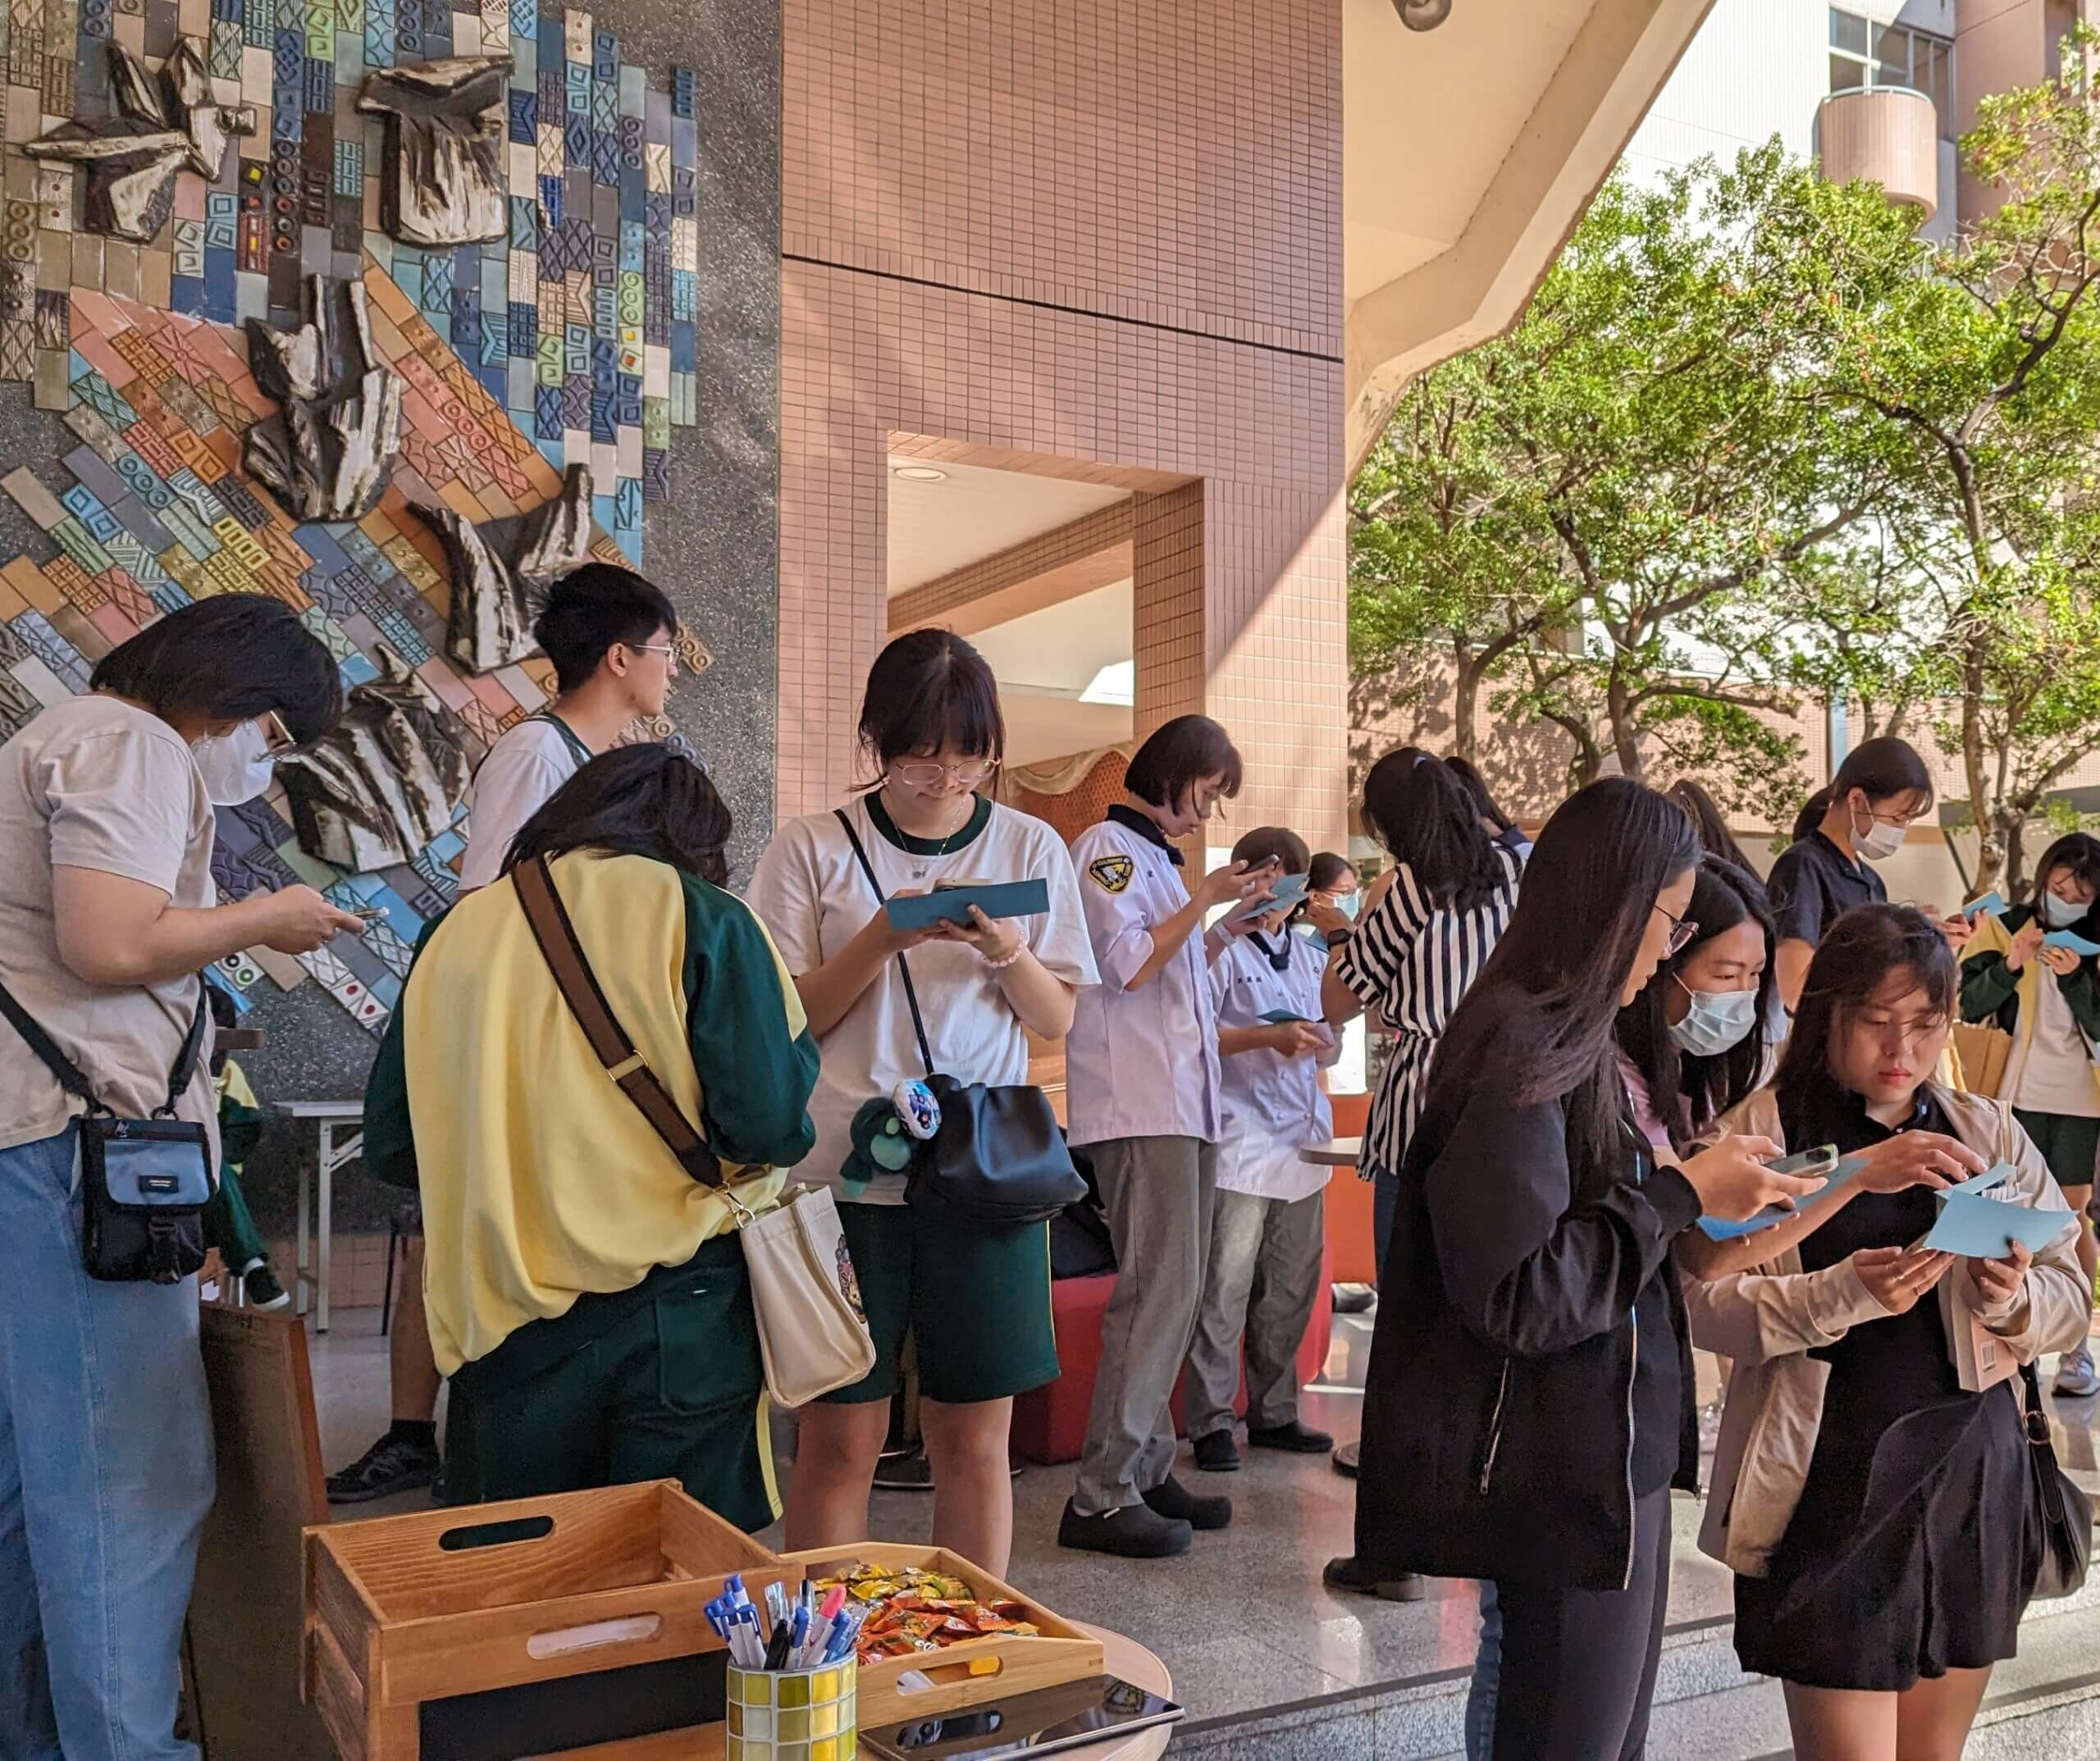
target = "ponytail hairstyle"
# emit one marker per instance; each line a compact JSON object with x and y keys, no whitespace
{"x":1418,"y":809}
{"x":1537,"y":1025}
{"x":1476,"y":787}
{"x":1723,"y":895}
{"x":1880,"y":769}
{"x":1857,"y":957}
{"x":1711,"y":824}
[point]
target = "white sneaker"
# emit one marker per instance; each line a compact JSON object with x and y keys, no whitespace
{"x":2076,"y":1379}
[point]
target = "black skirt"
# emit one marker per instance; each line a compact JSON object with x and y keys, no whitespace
{"x":1903,"y":1565}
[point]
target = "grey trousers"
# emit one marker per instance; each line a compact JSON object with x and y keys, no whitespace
{"x":1158,"y":1193}
{"x":1264,"y":1278}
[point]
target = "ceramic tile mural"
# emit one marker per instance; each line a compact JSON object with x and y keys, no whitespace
{"x":580,"y":324}
{"x":571,"y":341}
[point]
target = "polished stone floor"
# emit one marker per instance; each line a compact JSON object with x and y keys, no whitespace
{"x":1271,"y":1664}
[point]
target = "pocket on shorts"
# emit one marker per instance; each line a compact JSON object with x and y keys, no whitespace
{"x":707,"y":1354}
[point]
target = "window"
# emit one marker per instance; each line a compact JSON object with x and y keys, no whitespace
{"x":1866,"y":55}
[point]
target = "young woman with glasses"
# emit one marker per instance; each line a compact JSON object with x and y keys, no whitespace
{"x":976,"y":1299}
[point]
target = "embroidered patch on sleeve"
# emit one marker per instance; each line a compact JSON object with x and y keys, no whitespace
{"x":1112,"y":874}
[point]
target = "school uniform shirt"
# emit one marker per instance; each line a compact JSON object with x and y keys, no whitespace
{"x":810,"y":891}
{"x":1273,"y":1106}
{"x":1410,"y":961}
{"x":1142,"y":1063}
{"x":518,"y":777}
{"x":1814,"y":884}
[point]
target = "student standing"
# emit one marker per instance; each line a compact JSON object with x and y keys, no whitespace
{"x":107,"y":913}
{"x":2048,"y":999}
{"x":1843,"y":831}
{"x":1267,"y":1228}
{"x":975,"y":1297}
{"x":586,"y":1294}
{"x":1513,"y":1431}
{"x":1877,"y":1515}
{"x":1500,"y":827}
{"x":608,"y":633}
{"x":1143,"y":1097}
{"x":1334,"y":881}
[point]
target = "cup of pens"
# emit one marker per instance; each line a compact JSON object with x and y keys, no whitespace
{"x":792,"y":1692}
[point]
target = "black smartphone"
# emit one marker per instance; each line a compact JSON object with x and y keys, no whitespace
{"x":1037,"y":1723}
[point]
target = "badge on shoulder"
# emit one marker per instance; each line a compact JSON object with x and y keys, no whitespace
{"x":1112,"y":874}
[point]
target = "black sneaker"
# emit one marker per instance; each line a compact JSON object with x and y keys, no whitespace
{"x":1292,"y":1439}
{"x":1177,"y":1503}
{"x":1216,"y":1453}
{"x":1345,"y":1460}
{"x":1346,"y":1574}
{"x":1355,"y":1299}
{"x":1134,"y":1532}
{"x":909,"y":1472}
{"x":392,"y":1464}
{"x":263,"y":1291}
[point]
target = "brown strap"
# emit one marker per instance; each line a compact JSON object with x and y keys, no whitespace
{"x":578,"y":985}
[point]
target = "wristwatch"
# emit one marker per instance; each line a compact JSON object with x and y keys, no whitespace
{"x":1335,"y":937}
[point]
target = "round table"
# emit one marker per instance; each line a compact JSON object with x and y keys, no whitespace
{"x":1127,"y":1658}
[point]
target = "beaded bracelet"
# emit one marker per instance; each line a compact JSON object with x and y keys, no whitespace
{"x":1001,"y":965}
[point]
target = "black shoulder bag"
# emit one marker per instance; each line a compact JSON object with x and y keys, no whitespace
{"x":2059,"y":1515}
{"x":144,"y":1183}
{"x":998,"y":1158}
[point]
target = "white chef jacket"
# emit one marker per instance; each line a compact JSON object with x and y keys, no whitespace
{"x":1274,"y":1106}
{"x":1142,"y":1063}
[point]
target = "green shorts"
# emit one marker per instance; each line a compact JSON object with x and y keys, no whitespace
{"x":661,"y":1382}
{"x":2069,"y":1144}
{"x":976,"y":1300}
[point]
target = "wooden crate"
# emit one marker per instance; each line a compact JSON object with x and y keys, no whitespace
{"x":428,"y":1635}
{"x":993,"y":1667}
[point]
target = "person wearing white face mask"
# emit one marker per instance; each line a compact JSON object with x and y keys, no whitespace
{"x":2048,"y":999}
{"x":1860,"y":819}
{"x":107,"y":914}
{"x":237,"y":767}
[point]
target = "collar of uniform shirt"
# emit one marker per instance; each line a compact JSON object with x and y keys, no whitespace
{"x":1131,"y":820}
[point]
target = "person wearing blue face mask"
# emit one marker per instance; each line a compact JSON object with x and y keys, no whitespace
{"x":2048,"y":999}
{"x":1332,"y":880}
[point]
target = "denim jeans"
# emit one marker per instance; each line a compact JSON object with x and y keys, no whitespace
{"x":105,"y":1479}
{"x":1487,"y":1674}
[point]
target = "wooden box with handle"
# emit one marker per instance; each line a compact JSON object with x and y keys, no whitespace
{"x":570,"y":1625}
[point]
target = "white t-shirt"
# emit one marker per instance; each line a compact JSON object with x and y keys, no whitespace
{"x":2052,"y":1068}
{"x":95,"y":784}
{"x":515,"y":781}
{"x":809,"y":890}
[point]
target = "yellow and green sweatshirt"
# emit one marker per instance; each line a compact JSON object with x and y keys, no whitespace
{"x":540,"y":1182}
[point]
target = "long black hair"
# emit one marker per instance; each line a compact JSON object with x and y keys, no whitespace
{"x":2078,"y":851}
{"x":634,"y":800}
{"x":234,"y":657}
{"x":1418,"y":809}
{"x":1538,"y":1023}
{"x":1491,"y":810}
{"x":1710,"y":823}
{"x":1723,"y":895}
{"x":1856,"y":957}
{"x":1880,"y":769}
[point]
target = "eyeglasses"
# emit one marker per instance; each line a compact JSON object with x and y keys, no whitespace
{"x":1683,"y":929}
{"x":277,"y":738}
{"x":668,"y":650}
{"x":924,"y":774}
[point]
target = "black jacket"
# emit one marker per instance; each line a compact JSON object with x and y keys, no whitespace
{"x":1498,"y":1414}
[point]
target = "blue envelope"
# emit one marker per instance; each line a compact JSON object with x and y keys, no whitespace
{"x":2070,"y":938}
{"x":1717,"y":1229}
{"x":1982,"y":1228}
{"x":1990,"y":905}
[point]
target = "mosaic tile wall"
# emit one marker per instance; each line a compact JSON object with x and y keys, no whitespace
{"x":158,"y":515}
{"x":580,"y":324}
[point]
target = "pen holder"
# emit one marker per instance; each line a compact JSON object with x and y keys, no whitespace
{"x":793,"y":1714}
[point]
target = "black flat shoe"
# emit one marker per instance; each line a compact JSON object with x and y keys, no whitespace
{"x":1345,"y":1459}
{"x":1215,"y":1452}
{"x":1135,"y":1532}
{"x":1345,"y":1574}
{"x":1175,"y":1502}
{"x":1292,"y":1439}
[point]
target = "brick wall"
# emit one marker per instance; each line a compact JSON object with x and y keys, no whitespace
{"x":1081,"y":237}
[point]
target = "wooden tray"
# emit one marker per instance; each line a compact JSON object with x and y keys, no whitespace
{"x":1009,"y":1662}
{"x":458,"y":1624}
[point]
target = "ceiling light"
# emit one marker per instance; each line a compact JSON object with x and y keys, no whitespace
{"x":1115,"y":683}
{"x":1422,"y":15}
{"x":918,"y":474}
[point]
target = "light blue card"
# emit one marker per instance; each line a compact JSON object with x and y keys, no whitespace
{"x":1719,"y":1229}
{"x":1980,"y":1228}
{"x":2070,"y":938}
{"x":1289,"y":891}
{"x":1979,"y":1183}
{"x":1990,"y":905}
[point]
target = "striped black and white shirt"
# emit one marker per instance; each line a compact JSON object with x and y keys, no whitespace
{"x":1409,"y":962}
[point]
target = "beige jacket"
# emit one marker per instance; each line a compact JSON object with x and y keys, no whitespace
{"x":1769,"y":1318}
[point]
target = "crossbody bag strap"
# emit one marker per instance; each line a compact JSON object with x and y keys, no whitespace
{"x":578,"y":985}
{"x":186,"y":1061}
{"x":903,"y":965}
{"x":63,"y":1070}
